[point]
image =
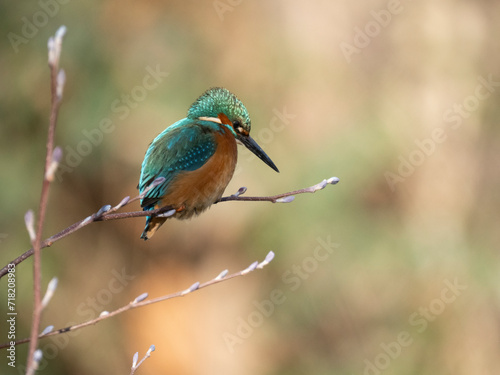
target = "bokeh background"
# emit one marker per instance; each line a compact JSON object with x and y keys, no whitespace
{"x":357,"y":90}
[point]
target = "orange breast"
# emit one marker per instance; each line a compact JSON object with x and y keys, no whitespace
{"x":193,"y":192}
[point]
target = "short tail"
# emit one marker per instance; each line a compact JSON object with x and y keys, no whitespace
{"x":152,"y":225}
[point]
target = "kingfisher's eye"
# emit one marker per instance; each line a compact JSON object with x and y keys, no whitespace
{"x":238,"y":128}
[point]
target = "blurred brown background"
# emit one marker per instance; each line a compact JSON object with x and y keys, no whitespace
{"x":400,"y":100}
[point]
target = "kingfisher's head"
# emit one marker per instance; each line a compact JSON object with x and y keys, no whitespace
{"x":223,"y":107}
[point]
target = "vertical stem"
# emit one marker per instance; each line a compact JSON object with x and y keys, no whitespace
{"x":37,"y":243}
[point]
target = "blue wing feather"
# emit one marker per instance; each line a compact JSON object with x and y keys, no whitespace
{"x":184,"y":146}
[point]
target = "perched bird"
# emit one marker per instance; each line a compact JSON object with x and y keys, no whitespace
{"x":197,"y":157}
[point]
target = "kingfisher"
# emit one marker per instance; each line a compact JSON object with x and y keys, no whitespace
{"x":196,"y":156}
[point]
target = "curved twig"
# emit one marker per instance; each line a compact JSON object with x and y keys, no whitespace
{"x":279,"y":198}
{"x":141,"y":300}
{"x":109,"y":213}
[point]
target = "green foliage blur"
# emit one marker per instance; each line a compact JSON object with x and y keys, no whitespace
{"x":395,"y":270}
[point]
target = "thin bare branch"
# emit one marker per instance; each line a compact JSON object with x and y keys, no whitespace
{"x":106,"y":213}
{"x":136,"y":365}
{"x":57,"y":84}
{"x":280,"y":198}
{"x":141,"y":300}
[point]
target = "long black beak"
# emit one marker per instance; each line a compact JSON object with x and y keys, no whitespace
{"x":255,"y":148}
